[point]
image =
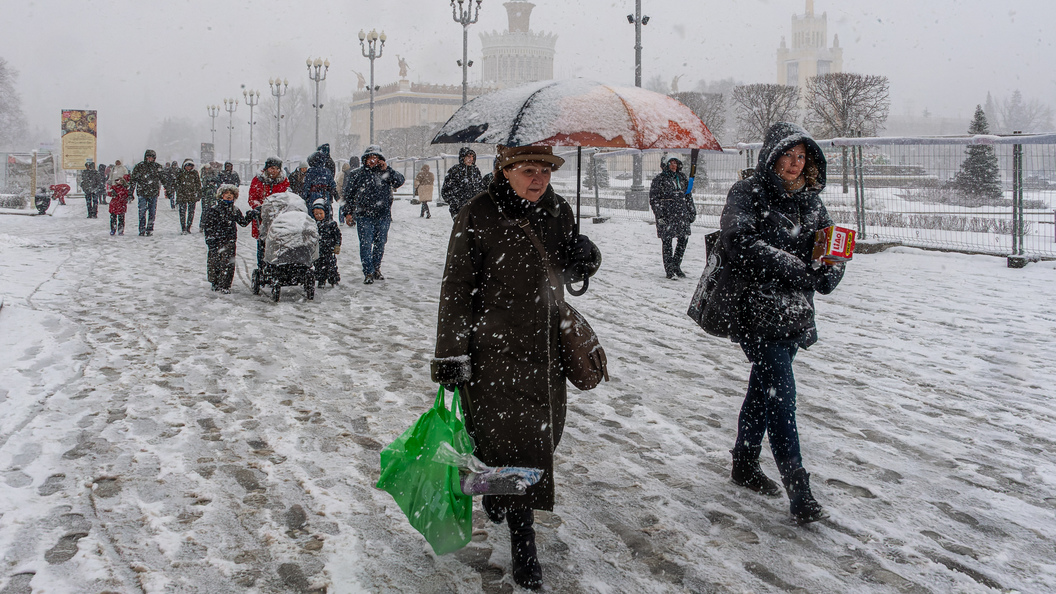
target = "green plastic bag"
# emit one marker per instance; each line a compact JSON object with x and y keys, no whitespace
{"x":427,"y":491}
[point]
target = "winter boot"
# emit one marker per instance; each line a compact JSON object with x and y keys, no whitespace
{"x":746,"y":472}
{"x":803,"y":506}
{"x":526,"y":569}
{"x":495,"y":513}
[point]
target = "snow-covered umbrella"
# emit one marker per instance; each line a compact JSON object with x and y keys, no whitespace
{"x":580,"y":112}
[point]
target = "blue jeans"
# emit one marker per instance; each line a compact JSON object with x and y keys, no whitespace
{"x":373,"y":233}
{"x":147,"y":205}
{"x":770,"y":404}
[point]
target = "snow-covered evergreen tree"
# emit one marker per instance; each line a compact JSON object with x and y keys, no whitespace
{"x":13,"y":127}
{"x":980,"y":175}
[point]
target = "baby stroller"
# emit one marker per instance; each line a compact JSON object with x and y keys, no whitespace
{"x":291,"y":245}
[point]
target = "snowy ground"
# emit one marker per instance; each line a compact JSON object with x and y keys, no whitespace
{"x":158,"y":437}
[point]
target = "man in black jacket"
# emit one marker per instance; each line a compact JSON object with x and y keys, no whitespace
{"x":462,"y":181}
{"x":146,"y":183}
{"x":368,"y":201}
{"x":90,"y":187}
{"x":229,"y":175}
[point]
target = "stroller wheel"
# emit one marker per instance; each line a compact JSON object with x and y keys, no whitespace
{"x":275,"y":292}
{"x":256,"y":281}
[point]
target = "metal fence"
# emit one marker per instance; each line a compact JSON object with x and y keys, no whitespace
{"x":896,"y":190}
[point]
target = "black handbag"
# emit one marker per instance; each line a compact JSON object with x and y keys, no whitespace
{"x":706,"y":308}
{"x":582,"y":355}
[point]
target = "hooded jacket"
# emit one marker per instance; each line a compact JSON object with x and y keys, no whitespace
{"x":146,"y":176}
{"x":461,"y":183}
{"x":767,"y":234}
{"x":188,"y":184}
{"x":319,"y":183}
{"x":368,"y":190}
{"x":674,"y":210}
{"x":229,"y":177}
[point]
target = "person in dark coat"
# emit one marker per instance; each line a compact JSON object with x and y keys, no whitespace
{"x":168,"y":182}
{"x":462,"y":181}
{"x":319,"y":183}
{"x":296,"y":178}
{"x":329,"y":243}
{"x":221,"y":237}
{"x":423,"y":189}
{"x":497,"y":337}
{"x":229,"y":175}
{"x":368,"y":202}
{"x":211,"y":182}
{"x":674,"y":212}
{"x":100,"y":183}
{"x":188,"y":191}
{"x":90,"y":186}
{"x":146,"y":184}
{"x":328,"y":161}
{"x":767,"y":230}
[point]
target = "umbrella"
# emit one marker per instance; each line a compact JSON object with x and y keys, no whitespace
{"x":579,"y":112}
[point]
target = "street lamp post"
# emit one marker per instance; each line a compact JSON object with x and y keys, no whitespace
{"x":371,"y":41}
{"x":637,"y":193}
{"x":252,"y":99}
{"x":321,"y":68}
{"x":465,"y":17}
{"x":278,"y":89}
{"x":214,"y":110}
{"x":231,"y":105}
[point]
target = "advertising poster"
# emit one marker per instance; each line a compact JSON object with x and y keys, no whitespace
{"x":78,"y":137}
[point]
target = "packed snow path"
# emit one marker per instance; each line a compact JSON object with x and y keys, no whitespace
{"x":158,"y":437}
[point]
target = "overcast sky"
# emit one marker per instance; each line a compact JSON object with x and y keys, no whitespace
{"x":138,"y":61}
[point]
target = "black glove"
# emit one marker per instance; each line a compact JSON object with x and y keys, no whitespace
{"x":581,"y":249}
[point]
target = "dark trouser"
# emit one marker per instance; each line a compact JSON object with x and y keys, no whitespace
{"x":373,"y":233}
{"x":220,"y":265}
{"x":172,"y":198}
{"x":673,"y":256}
{"x":187,"y":215}
{"x":326,"y":268}
{"x":148,"y":207}
{"x":425,"y":210}
{"x":117,"y":224}
{"x":770,"y":404}
{"x":260,"y":254}
{"x":91,"y":200}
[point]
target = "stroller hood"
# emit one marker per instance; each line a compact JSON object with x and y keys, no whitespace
{"x":275,"y":205}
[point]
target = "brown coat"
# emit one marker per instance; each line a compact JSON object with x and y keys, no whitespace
{"x":423,"y":185}
{"x":497,"y":336}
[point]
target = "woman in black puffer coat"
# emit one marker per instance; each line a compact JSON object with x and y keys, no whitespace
{"x":674,"y":211}
{"x":767,"y":231}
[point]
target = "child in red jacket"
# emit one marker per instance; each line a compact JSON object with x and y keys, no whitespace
{"x":119,"y":204}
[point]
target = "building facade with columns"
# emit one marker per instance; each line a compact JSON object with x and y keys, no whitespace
{"x":809,"y":54}
{"x":517,"y":55}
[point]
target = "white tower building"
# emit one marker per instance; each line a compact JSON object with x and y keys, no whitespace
{"x":517,"y":55}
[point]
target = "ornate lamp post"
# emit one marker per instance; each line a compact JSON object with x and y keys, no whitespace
{"x":230,"y":105}
{"x":636,"y":19}
{"x":214,"y":110}
{"x":371,"y":41}
{"x":465,"y":17}
{"x":321,"y":68}
{"x":278,"y":89}
{"x":252,"y":99}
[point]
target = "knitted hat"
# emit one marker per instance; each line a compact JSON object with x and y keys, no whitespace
{"x":273,"y":162}
{"x":320,"y":204}
{"x":227,"y":188}
{"x":508,"y":155}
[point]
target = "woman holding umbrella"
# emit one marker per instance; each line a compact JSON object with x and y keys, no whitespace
{"x":767,"y":231}
{"x":497,"y":337}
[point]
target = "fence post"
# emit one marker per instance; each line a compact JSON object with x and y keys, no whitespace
{"x":857,"y":192}
{"x":861,"y":180}
{"x":1017,"y":259}
{"x":594,"y":173}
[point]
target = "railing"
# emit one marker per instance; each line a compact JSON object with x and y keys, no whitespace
{"x":897,"y":190}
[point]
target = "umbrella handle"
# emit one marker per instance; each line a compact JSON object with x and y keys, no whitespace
{"x":577,"y":292}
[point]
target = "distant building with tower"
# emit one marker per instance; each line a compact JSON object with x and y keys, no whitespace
{"x":404,"y":110}
{"x":518,"y":55}
{"x":809,"y":54}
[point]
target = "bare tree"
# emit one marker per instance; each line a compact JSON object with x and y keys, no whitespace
{"x":297,"y":123}
{"x":843,"y":104}
{"x":709,"y":107}
{"x":13,"y":127}
{"x":1025,"y":116}
{"x":658,"y":83}
{"x":760,"y":106}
